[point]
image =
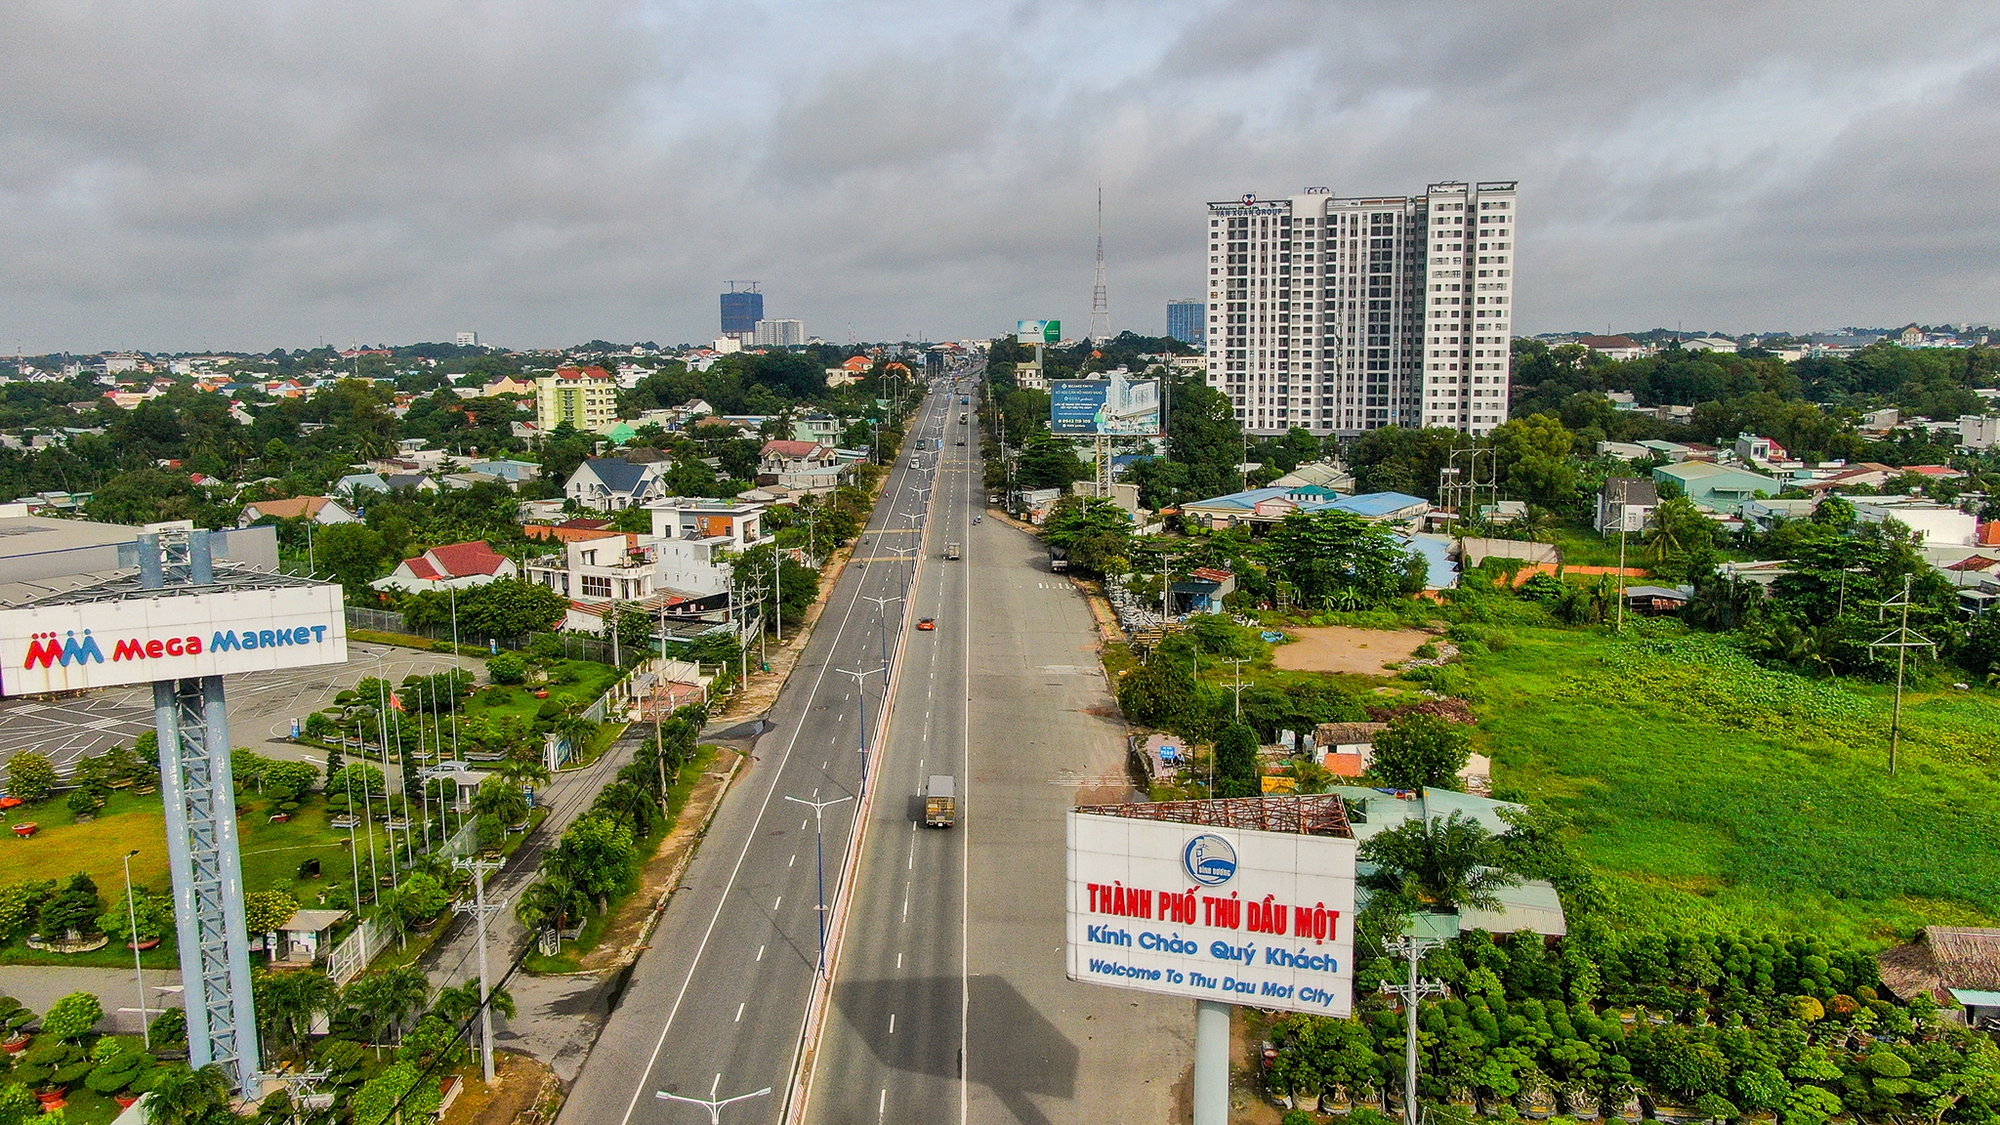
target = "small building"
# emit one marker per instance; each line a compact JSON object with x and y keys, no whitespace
{"x":1656,"y":601}
{"x":1960,"y":963}
{"x":321,"y":510}
{"x":1940,"y":525}
{"x":452,"y":566}
{"x":1718,"y":488}
{"x":1615,"y":347}
{"x":306,"y":937}
{"x":1626,"y":503}
{"x":1346,"y":749}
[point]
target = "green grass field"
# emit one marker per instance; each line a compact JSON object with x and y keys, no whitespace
{"x":271,"y":853}
{"x":1710,"y":791}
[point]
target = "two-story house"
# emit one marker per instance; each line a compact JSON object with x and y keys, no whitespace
{"x":610,"y":484}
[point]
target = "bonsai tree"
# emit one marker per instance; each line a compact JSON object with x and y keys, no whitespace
{"x":31,"y":777}
{"x":154,"y":915}
{"x":74,"y":910}
{"x":72,"y":1017}
{"x":169,"y":1028}
{"x":289,"y":781}
{"x":19,"y":903}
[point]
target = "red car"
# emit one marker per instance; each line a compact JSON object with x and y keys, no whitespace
{"x":926,"y":624}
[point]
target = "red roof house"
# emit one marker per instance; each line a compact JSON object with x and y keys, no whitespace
{"x":452,"y":566}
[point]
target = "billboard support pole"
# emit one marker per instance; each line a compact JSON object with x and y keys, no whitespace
{"x":200,"y":802}
{"x":1211,"y":1062}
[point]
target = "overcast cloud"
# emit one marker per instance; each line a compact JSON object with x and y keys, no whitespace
{"x":243,"y":175}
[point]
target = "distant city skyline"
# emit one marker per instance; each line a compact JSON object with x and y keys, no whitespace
{"x":312,"y":175}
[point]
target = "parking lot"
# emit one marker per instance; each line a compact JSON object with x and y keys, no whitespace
{"x":262,"y":707}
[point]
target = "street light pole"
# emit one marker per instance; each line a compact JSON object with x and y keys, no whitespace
{"x":1412,"y":994}
{"x":861,"y":689}
{"x":819,"y":846}
{"x":714,"y":1108}
{"x":1239,"y":661}
{"x":882,"y":620}
{"x":138,"y":972}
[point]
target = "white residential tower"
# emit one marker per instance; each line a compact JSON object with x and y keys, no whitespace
{"x":1346,"y":315}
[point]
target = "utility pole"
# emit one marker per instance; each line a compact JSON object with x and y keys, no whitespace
{"x":481,"y":910}
{"x":819,"y":846}
{"x":1412,"y":994}
{"x":1902,"y":640}
{"x":1239,"y":661}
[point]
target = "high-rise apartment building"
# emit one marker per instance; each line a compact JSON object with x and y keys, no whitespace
{"x":1187,"y":320}
{"x":741,"y":309}
{"x":779,"y":334}
{"x":585,"y":397}
{"x":1346,"y":315}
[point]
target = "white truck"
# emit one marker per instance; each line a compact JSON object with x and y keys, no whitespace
{"x":940,"y":802}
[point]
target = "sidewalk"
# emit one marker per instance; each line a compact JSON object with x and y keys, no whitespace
{"x":38,"y":986}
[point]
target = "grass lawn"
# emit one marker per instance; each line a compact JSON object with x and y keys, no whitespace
{"x":271,"y":853}
{"x":1713,"y":792}
{"x":590,"y":680}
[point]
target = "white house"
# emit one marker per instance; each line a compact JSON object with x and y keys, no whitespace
{"x":452,"y":566}
{"x":611,"y":484}
{"x":320,"y":509}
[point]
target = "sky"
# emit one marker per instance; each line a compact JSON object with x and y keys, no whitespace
{"x":196,"y":174}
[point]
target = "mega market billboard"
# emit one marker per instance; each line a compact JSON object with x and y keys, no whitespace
{"x":75,"y":645}
{"x":1116,"y":406}
{"x":1240,"y":916}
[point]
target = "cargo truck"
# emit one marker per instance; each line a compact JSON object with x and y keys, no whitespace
{"x":940,"y":805}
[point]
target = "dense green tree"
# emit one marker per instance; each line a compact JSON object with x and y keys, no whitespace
{"x":1436,"y":864}
{"x":353,"y":555}
{"x":1205,"y":438}
{"x":1096,"y":533}
{"x":30,"y":776}
{"x":1236,"y":773}
{"x":1339,"y":560}
{"x":1419,"y":750}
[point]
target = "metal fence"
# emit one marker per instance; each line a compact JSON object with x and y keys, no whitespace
{"x":389,"y":621}
{"x":352,"y":955}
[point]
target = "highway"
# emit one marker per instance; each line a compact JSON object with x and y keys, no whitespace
{"x":716,"y":1008}
{"x":954,"y":947}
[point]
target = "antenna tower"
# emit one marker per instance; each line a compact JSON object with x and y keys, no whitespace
{"x":1100,"y":299}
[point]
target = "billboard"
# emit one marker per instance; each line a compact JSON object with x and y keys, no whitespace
{"x":74,"y":645}
{"x":1028,"y":333}
{"x":1117,"y":406}
{"x":1235,"y":915}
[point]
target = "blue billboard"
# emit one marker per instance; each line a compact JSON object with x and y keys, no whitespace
{"x":1114,"y":406}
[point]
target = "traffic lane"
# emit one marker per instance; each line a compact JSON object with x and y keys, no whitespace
{"x":1036,"y":671}
{"x":703,"y":992}
{"x":893,"y":1053}
{"x":777,"y":989}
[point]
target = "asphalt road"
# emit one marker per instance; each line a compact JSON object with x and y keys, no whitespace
{"x":950,"y":1001}
{"x":717,"y":1007}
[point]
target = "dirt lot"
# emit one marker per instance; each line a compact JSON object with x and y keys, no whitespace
{"x":1340,"y":648}
{"x":519,"y":1081}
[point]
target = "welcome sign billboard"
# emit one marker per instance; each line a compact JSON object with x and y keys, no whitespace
{"x":76,"y":645}
{"x":1236,"y":915}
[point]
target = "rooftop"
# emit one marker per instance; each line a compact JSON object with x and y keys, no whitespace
{"x":1319,"y":814}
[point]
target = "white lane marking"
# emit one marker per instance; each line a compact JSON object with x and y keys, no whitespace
{"x":899,"y":960}
{"x":892,"y":1023}
{"x":760,"y":953}
{"x":715,"y":1085}
{"x":881,"y":1103}
{"x":793,"y":862}
{"x":802,"y":825}
{"x":774,"y":905}
{"x":739,"y":1011}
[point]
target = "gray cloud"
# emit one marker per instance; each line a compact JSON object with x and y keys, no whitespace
{"x":248,"y":175}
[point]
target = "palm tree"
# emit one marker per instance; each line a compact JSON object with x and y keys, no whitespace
{"x":551,"y":902}
{"x":189,"y":1097}
{"x":524,"y":768}
{"x":1443,"y":865}
{"x":458,"y":1005}
{"x":290,"y":1000}
{"x":385,"y":1000}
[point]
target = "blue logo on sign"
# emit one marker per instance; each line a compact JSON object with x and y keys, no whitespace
{"x":1209,"y":860}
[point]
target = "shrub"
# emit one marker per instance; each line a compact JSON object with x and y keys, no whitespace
{"x":73,"y":1016}
{"x":507,"y":668}
{"x":265,"y":911}
{"x":30,"y":777}
{"x":76,"y":908}
{"x":169,"y":1026}
{"x":1419,"y":750}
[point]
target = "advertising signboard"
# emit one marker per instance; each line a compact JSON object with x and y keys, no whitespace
{"x":1028,"y":333}
{"x":1117,"y":406}
{"x":74,"y":645}
{"x":1235,"y":915}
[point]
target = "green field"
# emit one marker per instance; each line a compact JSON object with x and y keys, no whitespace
{"x":271,"y":853}
{"x":1711,"y":791}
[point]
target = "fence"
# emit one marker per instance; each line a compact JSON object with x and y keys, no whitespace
{"x":352,"y":955}
{"x":389,"y":621}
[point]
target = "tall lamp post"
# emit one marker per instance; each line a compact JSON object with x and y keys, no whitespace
{"x":861,"y":689}
{"x":882,"y":620}
{"x":819,"y":845}
{"x":138,"y":972}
